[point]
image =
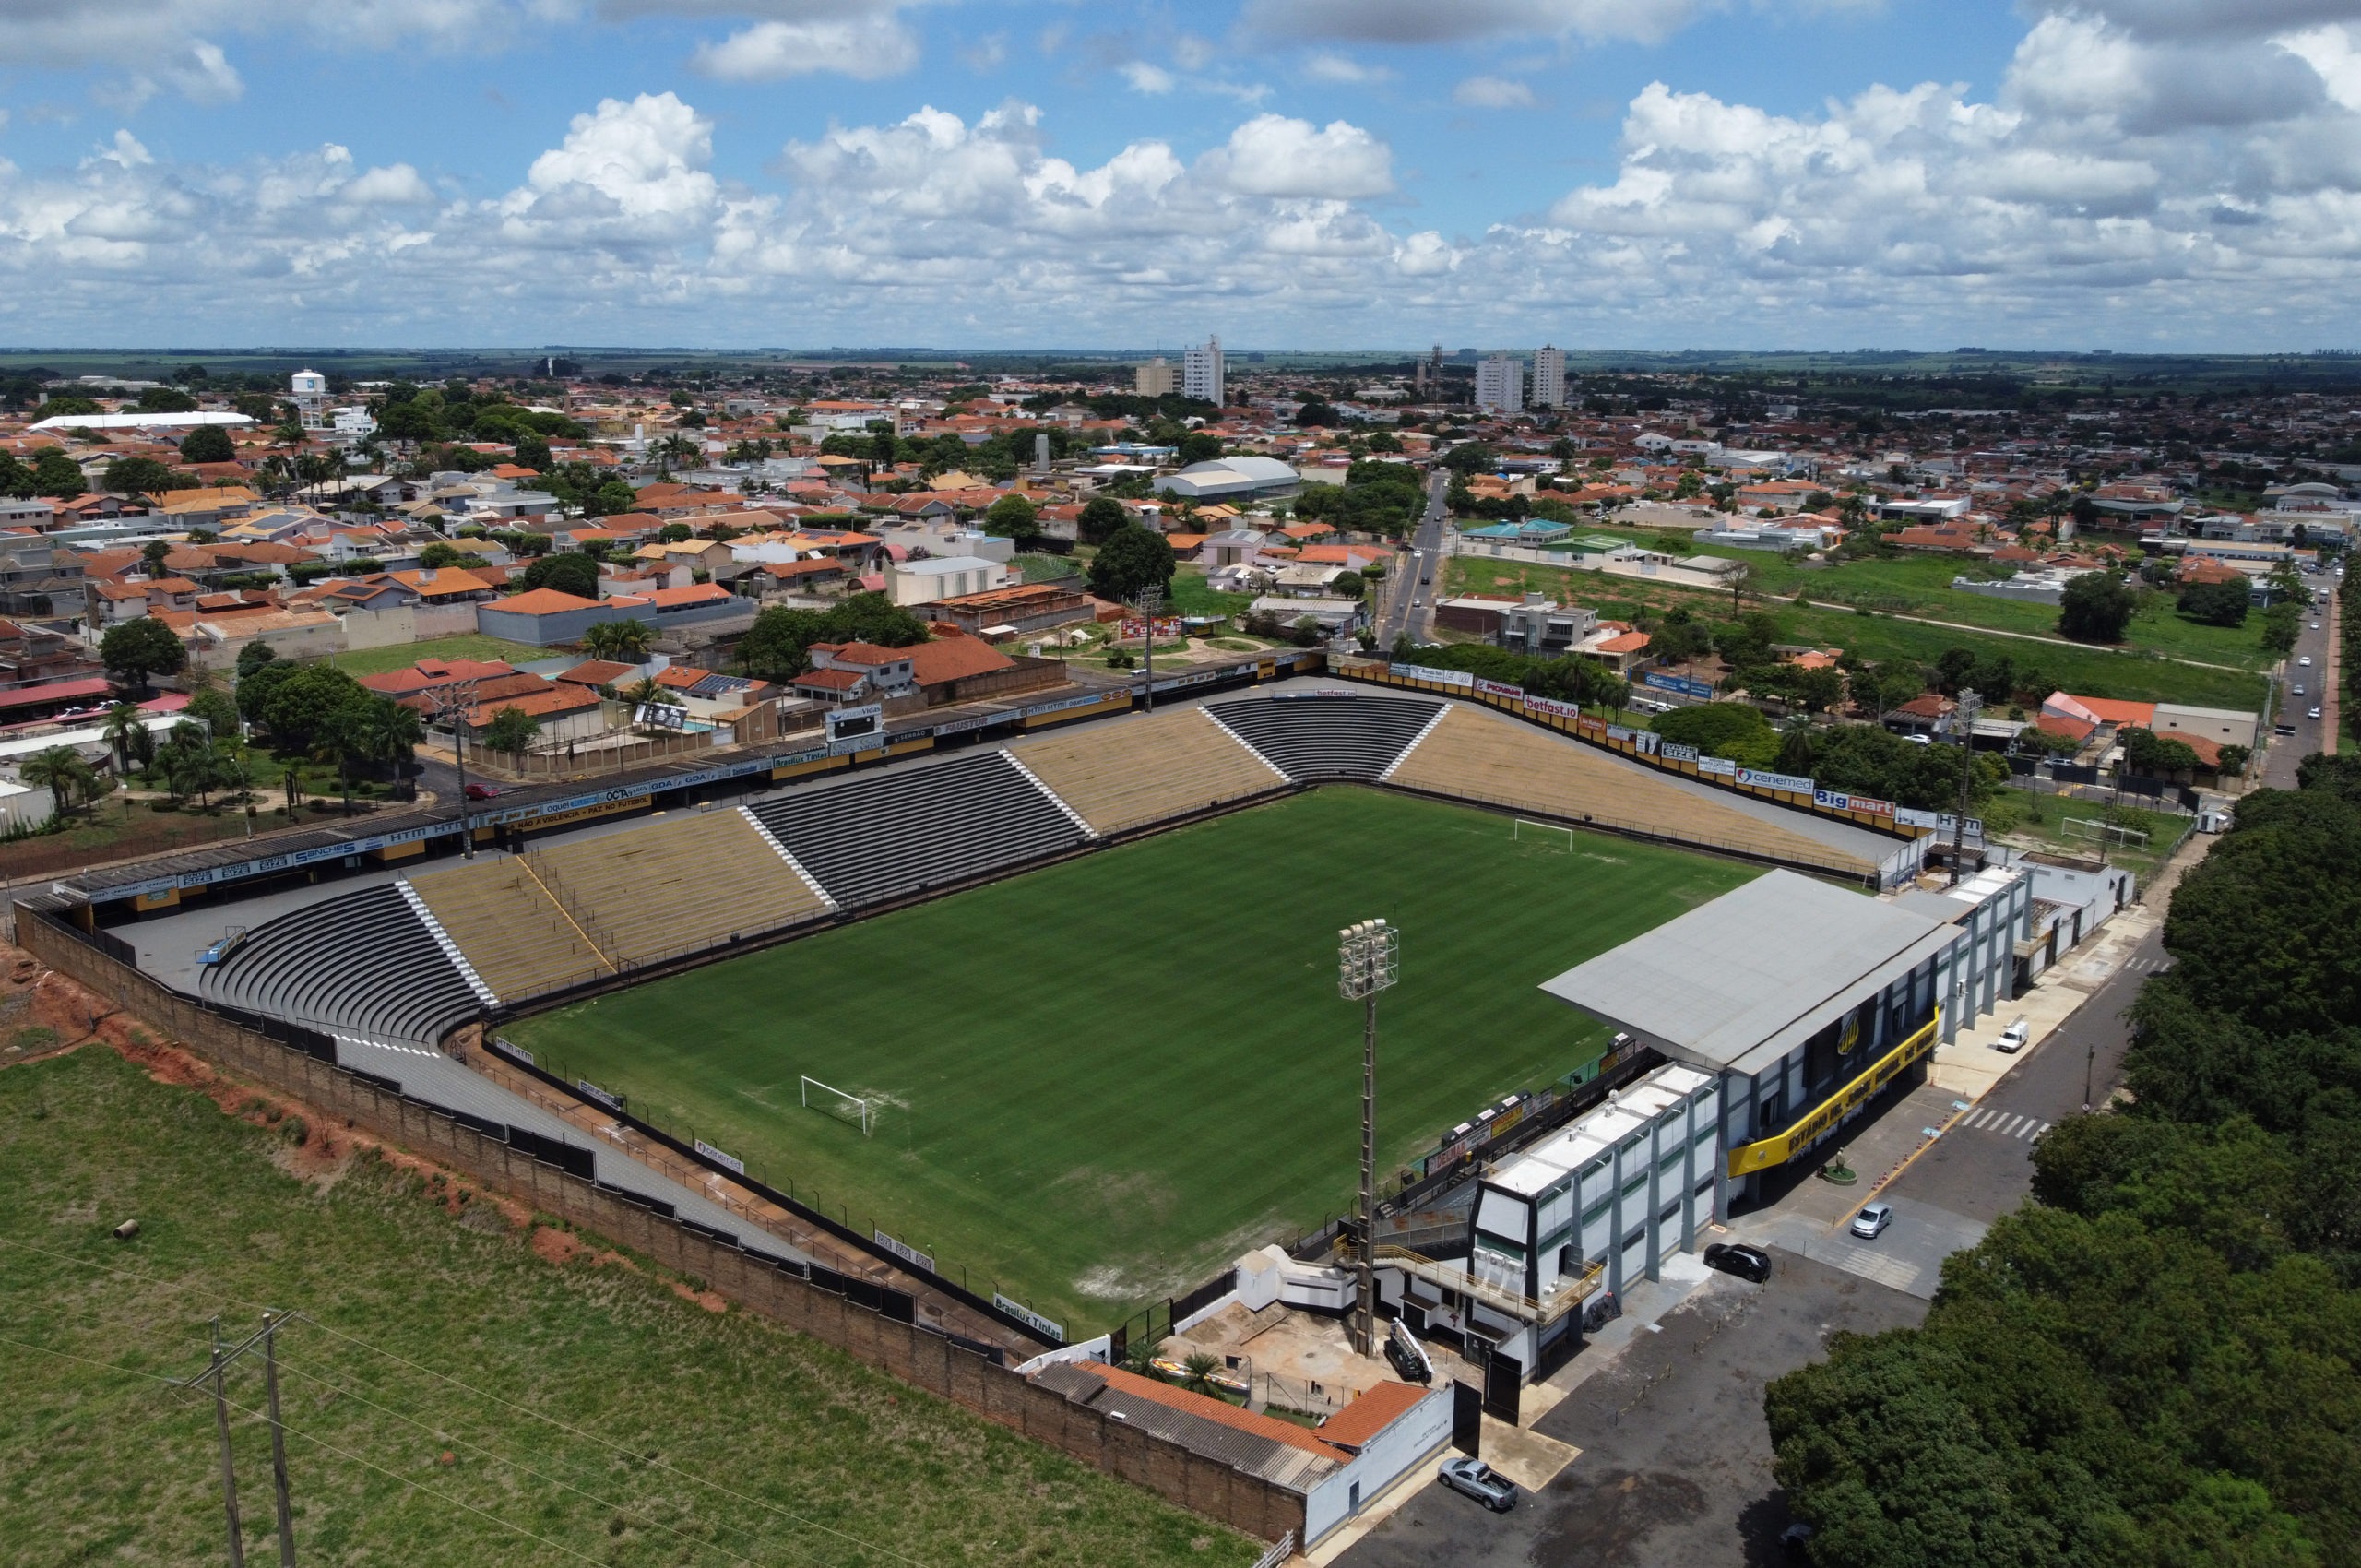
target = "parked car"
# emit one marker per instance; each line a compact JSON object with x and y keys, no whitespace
{"x":1473,"y":1478}
{"x":2315,"y":625}
{"x":1736,"y":1257}
{"x":482,"y":792}
{"x":2013,"y":1038}
{"x":1873,"y":1220}
{"x":1795,"y":1539}
{"x":2314,"y":713}
{"x":2297,"y":688}
{"x":2306,"y":661}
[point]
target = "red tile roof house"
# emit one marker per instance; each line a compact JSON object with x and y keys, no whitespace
{"x":565,"y":712}
{"x":851,"y":672}
{"x":1334,"y":1469}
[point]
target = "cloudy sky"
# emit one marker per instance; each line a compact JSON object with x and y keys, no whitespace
{"x":1315,"y":173}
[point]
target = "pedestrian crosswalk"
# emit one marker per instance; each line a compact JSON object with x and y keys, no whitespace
{"x":2004,"y":1123}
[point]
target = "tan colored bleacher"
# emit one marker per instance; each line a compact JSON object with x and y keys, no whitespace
{"x":1146,"y":768}
{"x":1483,"y":757}
{"x":514,"y":933}
{"x":685,"y":883}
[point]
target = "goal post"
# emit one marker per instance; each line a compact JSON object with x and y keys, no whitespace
{"x":1520,"y":826}
{"x":2093,"y":827}
{"x":844,"y":1107}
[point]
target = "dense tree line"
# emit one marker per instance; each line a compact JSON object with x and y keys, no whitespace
{"x":1378,"y":498}
{"x":778,"y":645}
{"x":2154,"y":1360}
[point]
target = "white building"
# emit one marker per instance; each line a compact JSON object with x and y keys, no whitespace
{"x":1202,"y":373}
{"x":1499,"y":384}
{"x":1155,"y":378}
{"x":1550,"y":378}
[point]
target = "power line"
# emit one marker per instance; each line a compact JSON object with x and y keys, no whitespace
{"x":607,"y":1443}
{"x":318,"y":1442}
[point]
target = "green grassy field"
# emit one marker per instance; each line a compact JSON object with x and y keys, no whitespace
{"x":1921,"y":584}
{"x":2133,"y":674}
{"x":467,"y":645}
{"x":1103,"y":1081}
{"x":425,"y":1398}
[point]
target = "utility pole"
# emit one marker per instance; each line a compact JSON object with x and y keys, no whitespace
{"x":229,"y":1469}
{"x":216,"y":1374}
{"x":1964,"y":725}
{"x":1151,"y":600}
{"x":277,"y":1440}
{"x":452,"y":704}
{"x":1367,"y":956}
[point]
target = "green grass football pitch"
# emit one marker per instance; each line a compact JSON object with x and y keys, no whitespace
{"x":1099,"y":1083}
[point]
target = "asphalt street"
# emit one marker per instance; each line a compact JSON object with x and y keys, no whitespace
{"x":2286,"y":752}
{"x":1675,"y":1470}
{"x":1410,"y":607}
{"x":1983,"y":1167}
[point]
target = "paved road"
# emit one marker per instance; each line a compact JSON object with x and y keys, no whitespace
{"x":1676,"y":1462}
{"x":1410,"y":607}
{"x":1983,"y":1167}
{"x":2286,"y":751}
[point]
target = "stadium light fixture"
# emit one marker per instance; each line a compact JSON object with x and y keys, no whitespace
{"x":1368,"y":957}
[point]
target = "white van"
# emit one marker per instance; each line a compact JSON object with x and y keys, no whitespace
{"x":2013,"y":1038}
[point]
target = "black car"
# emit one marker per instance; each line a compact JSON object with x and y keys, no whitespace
{"x":1736,"y":1257}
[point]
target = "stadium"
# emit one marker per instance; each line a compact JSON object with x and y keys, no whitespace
{"x":1011,"y":1029}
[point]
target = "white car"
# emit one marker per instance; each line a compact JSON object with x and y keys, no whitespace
{"x":1872,"y":1219}
{"x":2013,"y":1038}
{"x":2298,"y":689}
{"x":2315,"y":625}
{"x":2314,"y":714}
{"x":2305,"y":662}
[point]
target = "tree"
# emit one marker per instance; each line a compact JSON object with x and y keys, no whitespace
{"x":1101,"y":517}
{"x":1131,"y":559}
{"x":207,"y":444}
{"x":56,"y":475}
{"x":1471,"y":458}
{"x":1013,"y":516}
{"x":773,"y":648}
{"x":124,"y":730}
{"x":135,"y":650}
{"x":218,"y":712}
{"x":253,"y":656}
{"x":2216,"y":604}
{"x":532,"y":451}
{"x":61,"y":771}
{"x":2282,"y":623}
{"x":1735,"y":731}
{"x":141,"y":476}
{"x":296,"y":701}
{"x":2154,"y":755}
{"x":568,"y":571}
{"x":511,"y":730}
{"x":153,"y":554}
{"x":1204,"y":446}
{"x":436,"y":557}
{"x":2097,"y":609}
{"x":627,"y":642}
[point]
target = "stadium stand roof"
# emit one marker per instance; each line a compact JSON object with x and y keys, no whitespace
{"x":1726,"y":985}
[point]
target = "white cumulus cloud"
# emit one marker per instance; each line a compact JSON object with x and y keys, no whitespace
{"x":1493,"y":92}
{"x":1271,"y":155}
{"x":865,"y":47}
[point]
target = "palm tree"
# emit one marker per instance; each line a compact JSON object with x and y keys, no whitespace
{"x":650,"y":690}
{"x":187,"y":761}
{"x":677,"y":447}
{"x":1200,"y":1369}
{"x":340,"y":738}
{"x":62,"y":771}
{"x":123,"y":723}
{"x":624,"y":641}
{"x":390,"y":732}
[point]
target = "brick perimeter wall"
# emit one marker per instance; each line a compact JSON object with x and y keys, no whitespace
{"x":922,"y":1359}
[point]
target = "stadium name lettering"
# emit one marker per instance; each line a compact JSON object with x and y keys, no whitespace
{"x":1024,"y":1314}
{"x":508,"y":1048}
{"x":909,"y":1255}
{"x":727,"y":1161}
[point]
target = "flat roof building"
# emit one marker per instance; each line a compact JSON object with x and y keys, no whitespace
{"x":1806,"y":999}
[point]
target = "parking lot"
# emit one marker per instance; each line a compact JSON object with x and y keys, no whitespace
{"x":1675,"y":1468}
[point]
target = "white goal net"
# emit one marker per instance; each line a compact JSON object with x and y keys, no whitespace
{"x":2092,"y":827}
{"x":1551,"y":833}
{"x":836,"y":1102}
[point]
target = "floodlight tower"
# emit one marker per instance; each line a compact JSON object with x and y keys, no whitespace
{"x":1151,"y":600}
{"x":1964,"y":725}
{"x":1366,"y":964}
{"x":453,"y":703}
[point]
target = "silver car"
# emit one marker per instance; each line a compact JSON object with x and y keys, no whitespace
{"x":1873,"y":1220}
{"x":1474,"y":1478}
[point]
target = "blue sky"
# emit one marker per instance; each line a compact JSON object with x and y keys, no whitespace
{"x":1321,"y":174}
